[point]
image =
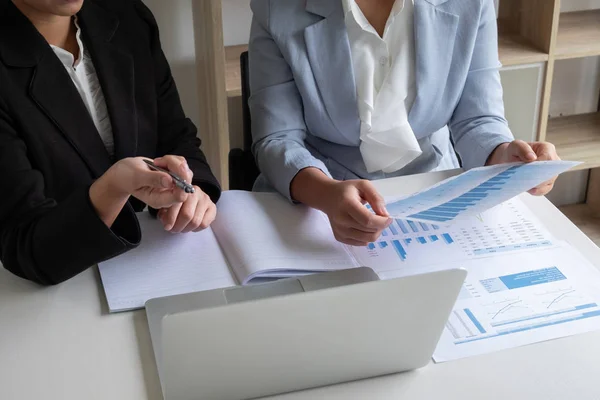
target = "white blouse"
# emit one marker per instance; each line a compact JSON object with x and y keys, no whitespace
{"x":84,"y":77}
{"x":384,"y":70}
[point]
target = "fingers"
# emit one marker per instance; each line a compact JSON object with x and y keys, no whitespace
{"x":168,"y":216}
{"x":208,"y":218}
{"x":543,"y":189}
{"x":153,"y":179}
{"x":522,"y":151}
{"x":177,"y":165}
{"x":363,"y":216}
{"x":195,"y":214}
{"x":369,"y":193}
{"x":356,"y":236}
{"x":186,"y":215}
{"x":545,"y":151}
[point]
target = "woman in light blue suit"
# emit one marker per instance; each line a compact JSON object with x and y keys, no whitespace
{"x":347,"y":91}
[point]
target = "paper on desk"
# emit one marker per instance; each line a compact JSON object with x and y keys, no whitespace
{"x":164,"y":264}
{"x":475,"y":191}
{"x":411,"y":247}
{"x":515,"y":300}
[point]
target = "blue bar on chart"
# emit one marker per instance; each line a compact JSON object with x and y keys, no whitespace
{"x":434,"y":238}
{"x":435,"y":227}
{"x":384,"y":232}
{"x":407,"y":241}
{"x":399,"y":249}
{"x":424,"y":226}
{"x":473,"y":194}
{"x":402,"y":226}
{"x":447,"y":238}
{"x":413,"y":226}
{"x":371,"y":246}
{"x":393,"y":229}
{"x":383,"y":245}
{"x":474,"y":320}
{"x":422,"y":240}
{"x":452,"y":208}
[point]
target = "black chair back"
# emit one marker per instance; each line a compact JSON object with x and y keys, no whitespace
{"x":242,"y":165}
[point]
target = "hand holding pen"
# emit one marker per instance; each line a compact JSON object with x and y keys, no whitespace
{"x":177,"y":180}
{"x":133,"y":177}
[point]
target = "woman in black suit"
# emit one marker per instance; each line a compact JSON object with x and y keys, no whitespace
{"x":85,"y":95}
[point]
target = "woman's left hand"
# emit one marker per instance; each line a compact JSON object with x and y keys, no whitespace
{"x":520,"y":151}
{"x":193,"y":215}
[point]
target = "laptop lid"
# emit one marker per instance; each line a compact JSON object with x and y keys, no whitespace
{"x":304,"y":340}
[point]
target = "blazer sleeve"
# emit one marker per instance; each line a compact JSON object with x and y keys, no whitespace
{"x":278,"y":127}
{"x":177,"y":134}
{"x":478,"y":124}
{"x":41,"y":239}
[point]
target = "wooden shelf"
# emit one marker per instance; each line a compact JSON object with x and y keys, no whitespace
{"x":582,"y":216}
{"x":578,"y":35}
{"x":577,"y":138}
{"x":512,"y":49}
{"x":233,"y":82}
{"x":515,"y":50}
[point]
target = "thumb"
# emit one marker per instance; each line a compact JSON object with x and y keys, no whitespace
{"x":371,"y":196}
{"x":523,"y":151}
{"x":155,"y":179}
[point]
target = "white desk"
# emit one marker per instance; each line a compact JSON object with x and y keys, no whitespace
{"x":59,"y":343}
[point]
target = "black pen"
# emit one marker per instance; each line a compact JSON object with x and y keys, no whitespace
{"x":180,"y":183}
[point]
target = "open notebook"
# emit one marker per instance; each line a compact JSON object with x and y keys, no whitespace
{"x":261,"y":236}
{"x":256,"y":237}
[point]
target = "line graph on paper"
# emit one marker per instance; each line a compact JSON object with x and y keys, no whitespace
{"x":560,"y":298}
{"x":508,"y":309}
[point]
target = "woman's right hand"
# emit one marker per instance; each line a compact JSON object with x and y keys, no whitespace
{"x":351,"y":221}
{"x":133,"y":177}
{"x":344,"y":204}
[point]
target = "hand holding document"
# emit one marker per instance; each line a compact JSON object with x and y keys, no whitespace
{"x":475,"y":191}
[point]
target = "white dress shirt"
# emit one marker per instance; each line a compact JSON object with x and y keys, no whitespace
{"x":84,"y":77}
{"x":384,"y":70}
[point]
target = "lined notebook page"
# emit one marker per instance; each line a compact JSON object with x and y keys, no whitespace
{"x":264,"y":236}
{"x":164,"y":264}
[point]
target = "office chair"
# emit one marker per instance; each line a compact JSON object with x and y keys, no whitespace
{"x":243,"y":170}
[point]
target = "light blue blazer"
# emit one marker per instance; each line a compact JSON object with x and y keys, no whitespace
{"x":304,"y":104}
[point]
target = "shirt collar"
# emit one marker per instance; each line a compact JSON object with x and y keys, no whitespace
{"x":66,"y":57}
{"x":352,"y":9}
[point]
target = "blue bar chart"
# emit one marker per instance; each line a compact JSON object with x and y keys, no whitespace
{"x":474,"y":191}
{"x":405,"y":227}
{"x":450,"y":210}
{"x":405,"y":248}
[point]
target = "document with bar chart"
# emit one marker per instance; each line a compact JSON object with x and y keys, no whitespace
{"x":515,"y":301}
{"x":407,"y":247}
{"x":475,"y":191}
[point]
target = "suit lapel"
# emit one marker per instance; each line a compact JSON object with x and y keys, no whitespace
{"x":435,"y":34}
{"x":54,"y":93}
{"x":331,"y":62}
{"x":115,"y":71}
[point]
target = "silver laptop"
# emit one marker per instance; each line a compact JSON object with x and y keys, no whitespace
{"x":248,"y":342}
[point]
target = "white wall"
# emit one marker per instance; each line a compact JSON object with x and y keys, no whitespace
{"x":237,"y":19}
{"x":176,"y":26}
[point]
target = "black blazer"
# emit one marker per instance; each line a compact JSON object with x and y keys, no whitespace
{"x":51,"y":152}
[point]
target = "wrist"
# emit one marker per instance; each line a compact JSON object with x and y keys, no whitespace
{"x":497,"y":156}
{"x":107,"y":199}
{"x":311,"y":186}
